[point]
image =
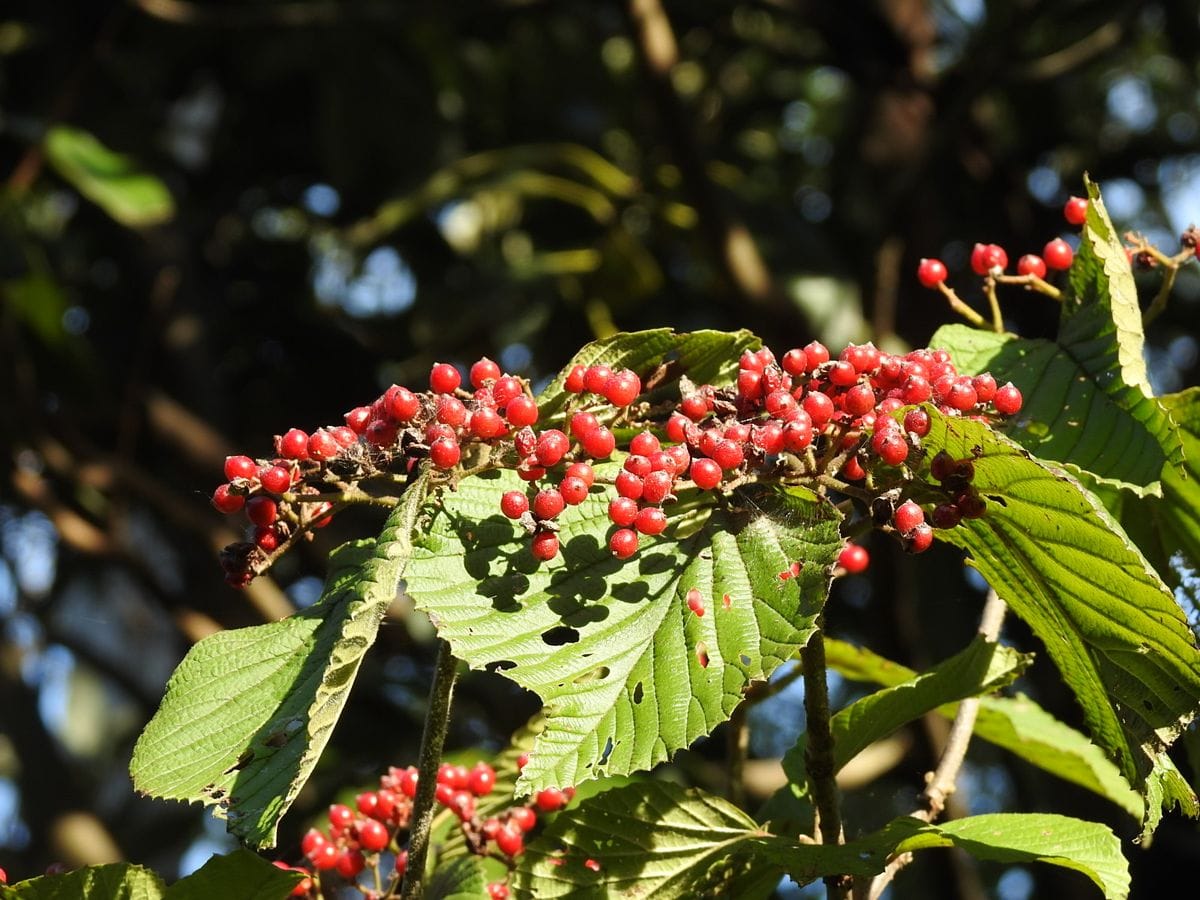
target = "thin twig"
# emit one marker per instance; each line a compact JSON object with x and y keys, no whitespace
{"x":940,"y":782}
{"x":437,"y":722}
{"x":961,"y":308}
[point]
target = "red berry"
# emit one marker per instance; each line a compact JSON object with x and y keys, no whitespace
{"x":240,"y":467}
{"x":706,"y":473}
{"x":656,"y":486}
{"x":550,"y":800}
{"x":931,"y":272}
{"x":226,"y":501}
{"x":961,"y":395}
{"x":795,"y":362}
{"x":510,"y":841}
{"x":574,"y":380}
{"x":484,"y":371}
{"x":462,"y":804}
{"x":547,"y":504}
{"x":728,"y":455}
{"x":497,"y":890}
{"x":1058,"y":254}
{"x":986,"y":257}
{"x":622,"y":388}
{"x":816,"y":353}
{"x":917,"y":421}
{"x":505,"y":390}
{"x":629,"y":485}
{"x":1075,"y":210}
{"x":552,"y":446}
{"x":651,"y":520}
{"x":985,"y":387}
{"x":401,"y":403}
{"x":907,"y":517}
{"x":340,"y":816}
{"x":443,"y":793}
{"x":401,"y":863}
{"x":599,"y":444}
{"x":444,"y":378}
{"x":573,"y":490}
{"x":859,"y":400}
{"x":640,"y":466}
{"x":294,"y":444}
{"x":596,"y":377}
{"x":749,"y":384}
{"x":1031,"y":264}
{"x":514,"y":504}
{"x":919,"y":539}
{"x":544,"y":545}
{"x":644,"y":444}
{"x":482,"y":780}
{"x":778,"y":402}
{"x":450,"y":410}
{"x":890,"y":446}
{"x":798,"y":434}
{"x":445,"y":453}
{"x":267,"y":539}
{"x":623,"y":511}
{"x":325,"y":857}
{"x":854,"y":558}
{"x":842,"y":374}
{"x":530,"y":473}
{"x":583,"y":424}
{"x":521,"y":411}
{"x":623,"y":543}
{"x":487,"y":424}
{"x":768,"y":437}
{"x":583,"y":472}
{"x":358,"y":418}
{"x":262,"y":510}
{"x":373,"y":835}
{"x":524,"y":817}
{"x":311,"y":841}
{"x":1007,"y":400}
{"x":694,"y":406}
{"x":322,"y":445}
{"x":864,"y":357}
{"x":351,"y":862}
{"x":852,"y":470}
{"x":408,"y":782}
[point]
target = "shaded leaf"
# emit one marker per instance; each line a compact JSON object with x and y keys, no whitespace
{"x":462,"y":879}
{"x":248,"y":712}
{"x":1175,"y":520}
{"x":115,"y":881}
{"x":239,"y":874}
{"x":110,"y":180}
{"x":627,"y":673}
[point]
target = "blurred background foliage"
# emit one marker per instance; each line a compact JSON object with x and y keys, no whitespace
{"x":222,"y":219}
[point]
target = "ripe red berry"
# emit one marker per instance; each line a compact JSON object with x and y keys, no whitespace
{"x":1007,"y":400}
{"x":505,"y":389}
{"x":583,"y":424}
{"x":816,"y":353}
{"x":961,"y":395}
{"x":401,"y":863}
{"x":728,"y":454}
{"x":524,"y":817}
{"x":623,"y":511}
{"x":373,"y":835}
{"x":497,"y":890}
{"x":583,"y":472}
{"x":548,"y":503}
{"x":596,"y":377}
{"x":544,"y":545}
{"x":521,"y":411}
{"x":445,"y":453}
{"x":487,"y":424}
{"x":638,"y":465}
{"x":401,"y":403}
{"x":510,"y":841}
{"x":694,"y":406}
{"x":749,"y":384}
{"x":907,"y":517}
{"x":226,"y":501}
{"x":267,"y":539}
{"x":325,"y":857}
{"x":482,"y":780}
{"x":358,"y":418}
{"x":795,"y":362}
{"x":574,"y":379}
{"x":340,"y":816}
{"x":311,"y":841}
{"x":550,"y":800}
{"x":931,"y":272}
{"x":262,"y":510}
{"x":859,"y":400}
{"x":444,"y":378}
{"x":552,"y":446}
{"x":852,"y":470}
{"x":599,"y":444}
{"x":644,"y":444}
{"x":408,"y":782}
{"x":919,"y":539}
{"x":842,"y":374}
{"x":629,"y":485}
{"x":1058,"y":254}
{"x":623,"y":543}
{"x":622,"y":388}
{"x":484,"y":371}
{"x":854,"y":558}
{"x":917,"y":421}
{"x":651,"y":520}
{"x":514,"y":504}
{"x":798,"y":434}
{"x":890,"y":446}
{"x":986,"y":257}
{"x":1031,"y":264}
{"x":574,"y":490}
{"x":294,"y":444}
{"x":240,"y":467}
{"x":449,"y":411}
{"x":656,"y":487}
{"x":706,"y":473}
{"x":322,"y":445}
{"x":1075,"y":210}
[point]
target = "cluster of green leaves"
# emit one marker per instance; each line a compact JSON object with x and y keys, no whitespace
{"x":628,"y":675}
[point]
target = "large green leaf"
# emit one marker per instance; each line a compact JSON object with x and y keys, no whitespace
{"x":661,"y":841}
{"x":627,"y":673}
{"x":980,"y":668}
{"x":462,"y":879}
{"x":1111,"y":626}
{"x":1077,"y":409}
{"x":110,"y":180}
{"x":115,"y":881}
{"x":1017,"y":724}
{"x":248,"y":712}
{"x":239,"y":874}
{"x":704,"y":356}
{"x":1174,"y":523}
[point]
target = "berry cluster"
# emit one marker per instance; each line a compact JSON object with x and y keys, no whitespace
{"x":963,"y":501}
{"x":358,"y":839}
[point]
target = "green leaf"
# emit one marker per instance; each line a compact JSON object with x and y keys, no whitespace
{"x":239,"y":874}
{"x":627,"y":673}
{"x":652,"y":840}
{"x":1100,"y":308}
{"x":1017,"y":724}
{"x":248,"y":712}
{"x":462,"y":879}
{"x":980,"y":668}
{"x":110,"y":180}
{"x":705,"y":356}
{"x":1077,"y":409}
{"x":1176,"y":518}
{"x":115,"y":881}
{"x":1111,"y":626}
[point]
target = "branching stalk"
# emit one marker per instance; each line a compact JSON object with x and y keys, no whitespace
{"x":437,"y":720}
{"x":961,"y":308}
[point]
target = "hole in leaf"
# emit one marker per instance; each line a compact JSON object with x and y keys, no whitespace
{"x":560,"y":635}
{"x":702,"y":654}
{"x":638,"y":693}
{"x":745,"y":659}
{"x":608,"y":749}
{"x":500,"y":665}
{"x":1148,"y":705}
{"x":595,"y":675}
